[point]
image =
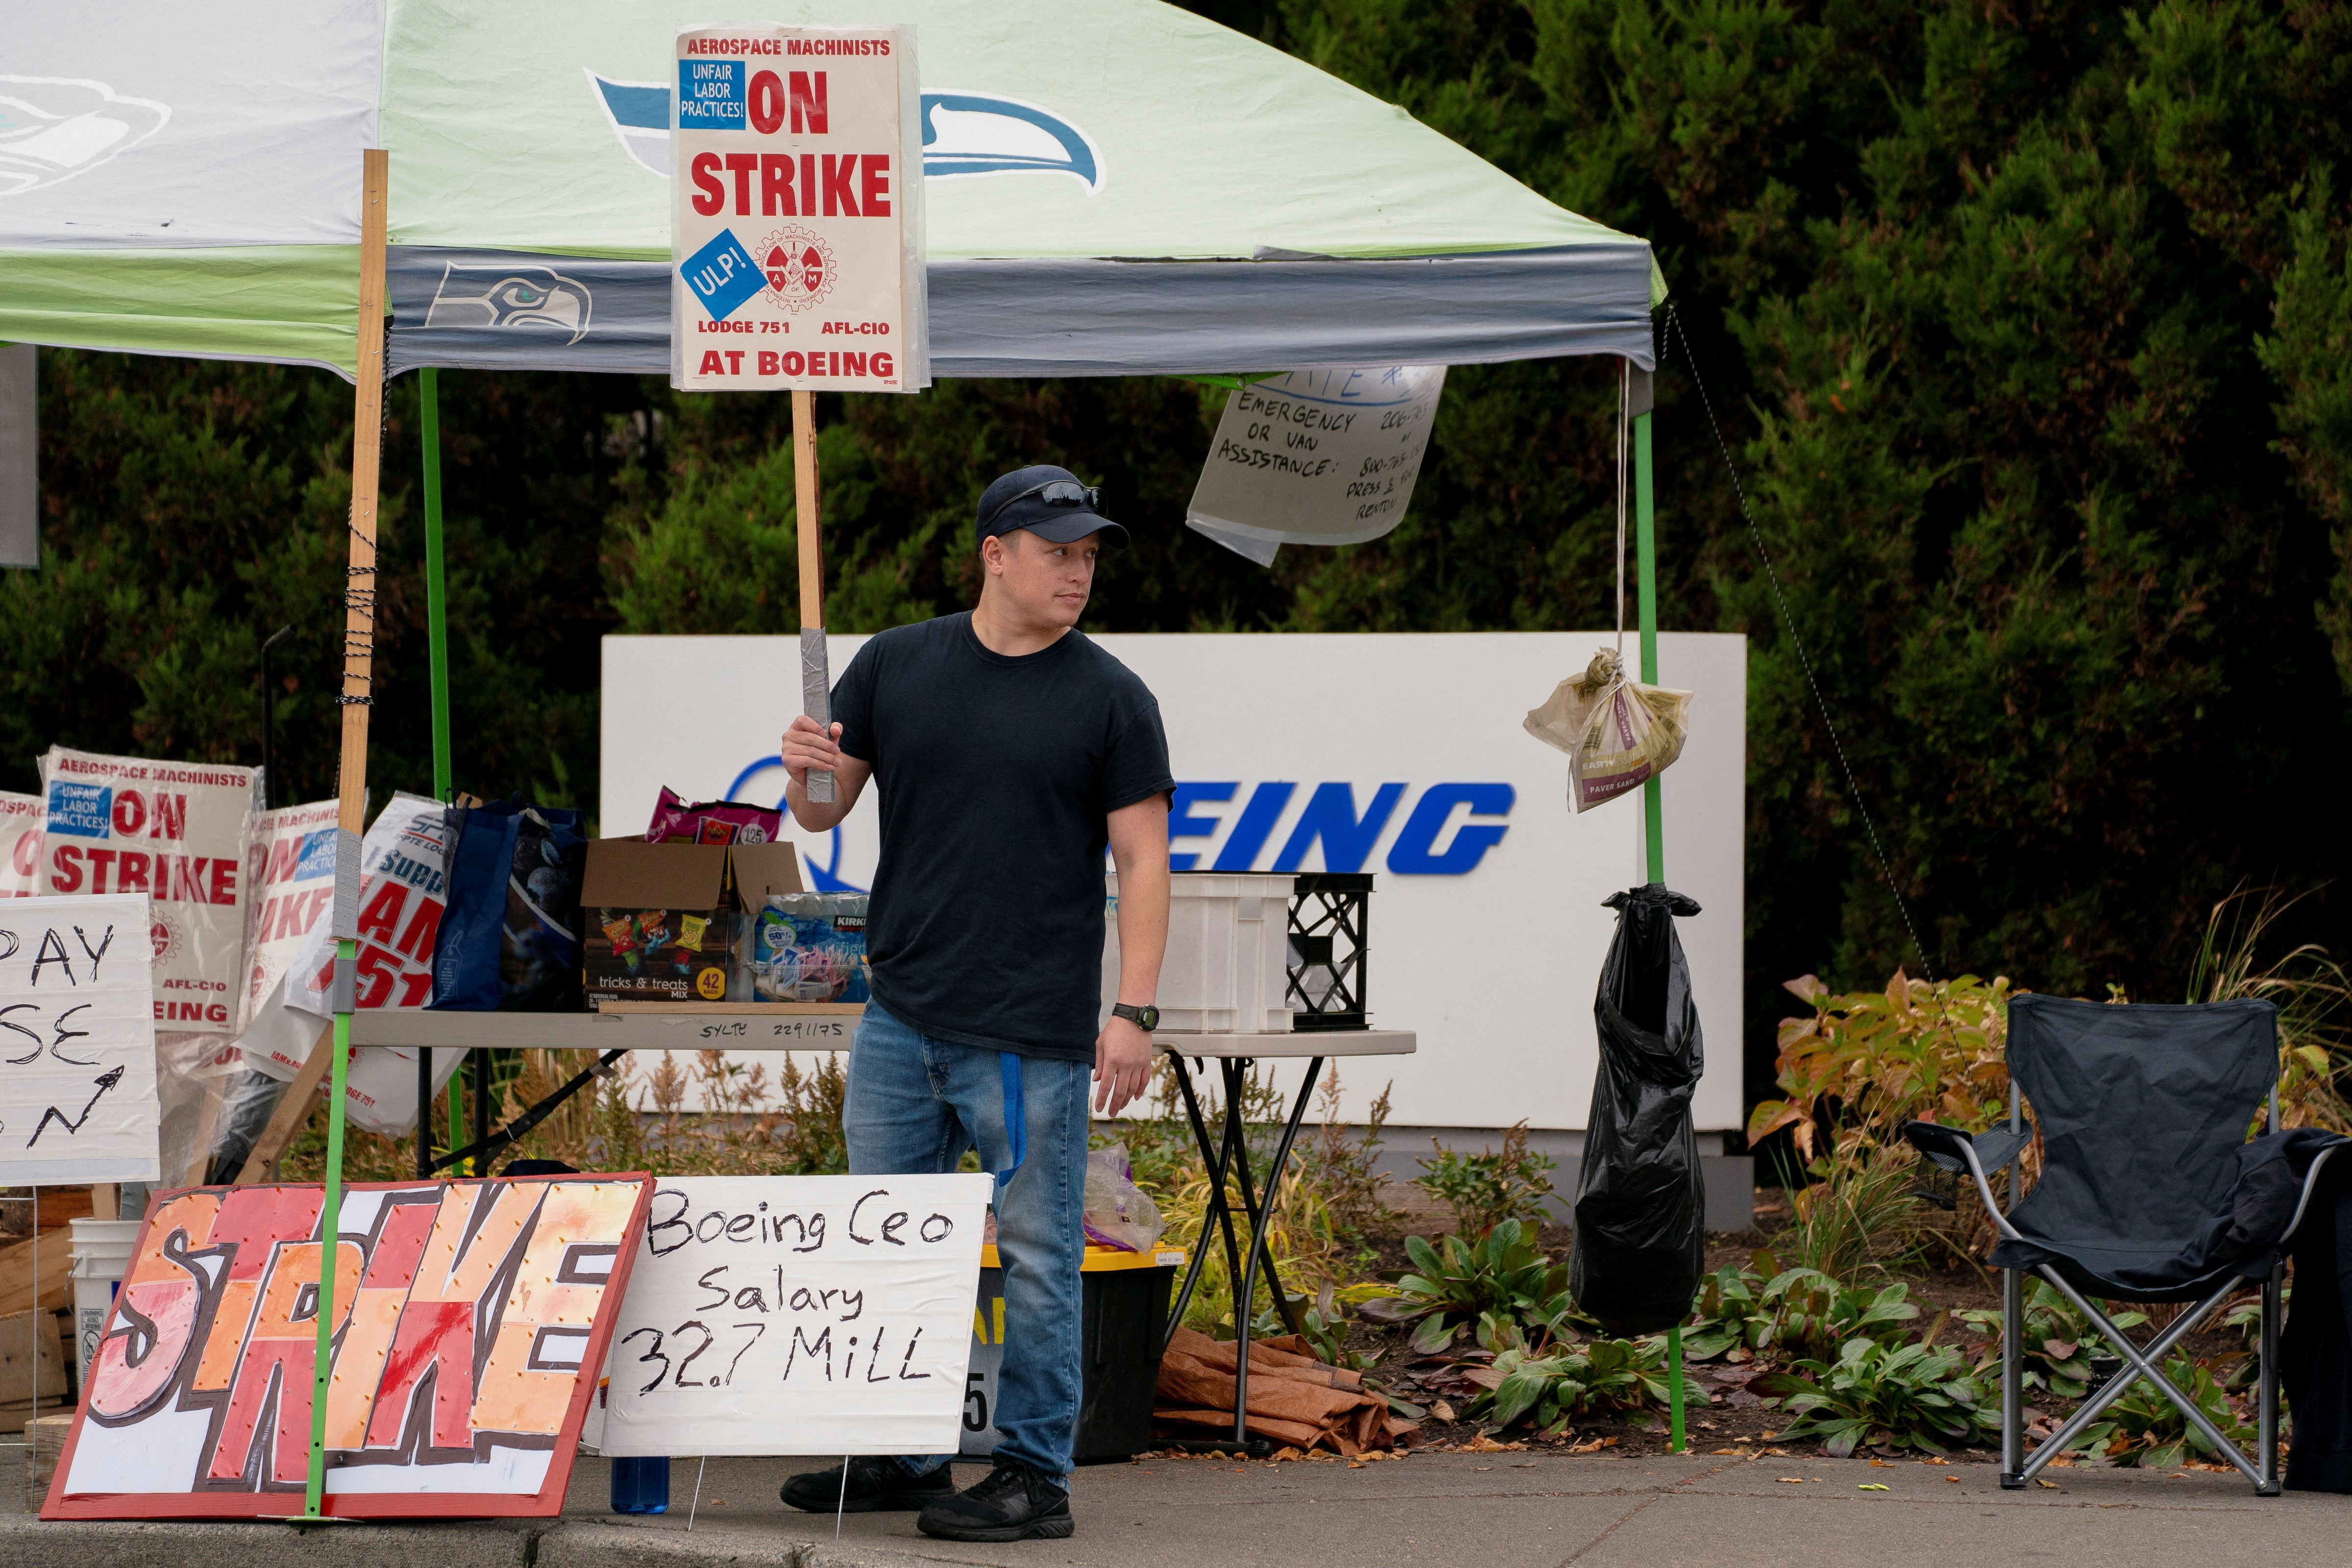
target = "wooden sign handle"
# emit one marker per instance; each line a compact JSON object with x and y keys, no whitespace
{"x":816,"y":672}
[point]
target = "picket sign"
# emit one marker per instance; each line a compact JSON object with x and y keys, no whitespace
{"x":798,"y":1315}
{"x":77,"y":1041}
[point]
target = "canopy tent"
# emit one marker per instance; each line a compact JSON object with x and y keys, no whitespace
{"x":1115,"y":187}
{"x":1112,"y":187}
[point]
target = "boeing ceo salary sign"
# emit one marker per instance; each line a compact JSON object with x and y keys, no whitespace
{"x":796,"y":234}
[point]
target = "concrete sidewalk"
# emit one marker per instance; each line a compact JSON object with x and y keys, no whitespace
{"x":1495,"y":1510}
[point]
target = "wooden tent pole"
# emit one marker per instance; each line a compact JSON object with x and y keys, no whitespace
{"x":351,"y":788}
{"x":816,"y":679}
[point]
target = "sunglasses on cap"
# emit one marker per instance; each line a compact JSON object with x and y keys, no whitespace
{"x":1053,"y":492}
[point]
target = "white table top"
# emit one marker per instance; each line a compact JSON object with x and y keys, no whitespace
{"x":1314,"y":1043}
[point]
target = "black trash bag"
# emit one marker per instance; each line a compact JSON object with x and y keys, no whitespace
{"x":1641,"y":1200}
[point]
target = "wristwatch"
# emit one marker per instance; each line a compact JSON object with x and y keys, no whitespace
{"x":1146,"y":1018}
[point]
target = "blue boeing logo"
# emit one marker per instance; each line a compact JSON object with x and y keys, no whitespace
{"x":1447,"y":833}
{"x":963,"y":133}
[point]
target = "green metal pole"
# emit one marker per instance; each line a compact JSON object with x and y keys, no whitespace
{"x":1645,"y":520}
{"x":331,"y":1227}
{"x":1653,"y":815}
{"x":436,"y":640}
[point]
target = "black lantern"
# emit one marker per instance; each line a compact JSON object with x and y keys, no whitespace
{"x":1330,"y":913}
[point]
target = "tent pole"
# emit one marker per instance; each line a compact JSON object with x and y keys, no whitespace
{"x":350,"y":789}
{"x":1642,"y":398}
{"x":437,"y":648}
{"x":816,"y":679}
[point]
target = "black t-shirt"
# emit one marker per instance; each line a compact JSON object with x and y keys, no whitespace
{"x":995,"y":776}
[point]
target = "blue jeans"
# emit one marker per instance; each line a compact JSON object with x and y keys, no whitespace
{"x":915,"y":1104}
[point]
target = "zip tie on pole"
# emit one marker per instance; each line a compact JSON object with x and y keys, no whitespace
{"x":1787,"y":623}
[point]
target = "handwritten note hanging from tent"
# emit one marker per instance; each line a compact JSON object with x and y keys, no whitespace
{"x":77,"y":1041}
{"x":470,"y":1316}
{"x":798,"y":1315}
{"x":1316,"y":457}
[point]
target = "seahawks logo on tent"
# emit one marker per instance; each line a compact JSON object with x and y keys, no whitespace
{"x":964,"y":133}
{"x":528,"y":296}
{"x":52,"y":128}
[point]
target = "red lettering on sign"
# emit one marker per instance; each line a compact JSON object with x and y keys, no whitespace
{"x":808,"y":104}
{"x":767,"y":364}
{"x":882,"y":365}
{"x":734,"y":360}
{"x":706,"y":180}
{"x":381,"y":916}
{"x":853,"y":364}
{"x":99,"y":860}
{"x":222,"y":887}
{"x":767,"y":103}
{"x":131,"y":872}
{"x":65,"y":869}
{"x":776,"y":185}
{"x":284,"y":856}
{"x":808,"y":184}
{"x":129,"y":812}
{"x":876,"y":185}
{"x":840,"y":200}
{"x":741,"y":165}
{"x":171,"y":819}
{"x":794,"y":364}
{"x":711,"y":365}
{"x":416,"y":941}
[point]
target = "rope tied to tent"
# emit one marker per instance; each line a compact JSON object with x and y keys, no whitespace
{"x":1675,"y":328}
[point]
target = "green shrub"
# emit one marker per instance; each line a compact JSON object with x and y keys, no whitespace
{"x":1484,"y":1189}
{"x":1906,"y":1397}
{"x":1458,"y":1281}
{"x":2144,"y":1427}
{"x":2058,"y":1345}
{"x":1574,"y":1380}
{"x":1801,"y":1311}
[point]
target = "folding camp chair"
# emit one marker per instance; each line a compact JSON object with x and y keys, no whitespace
{"x":2143,"y":1111}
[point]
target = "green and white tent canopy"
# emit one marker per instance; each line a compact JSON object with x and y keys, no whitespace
{"x":1113,"y":188}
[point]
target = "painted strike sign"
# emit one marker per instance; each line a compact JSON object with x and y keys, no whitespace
{"x":468,"y":1317}
{"x":797,"y":227}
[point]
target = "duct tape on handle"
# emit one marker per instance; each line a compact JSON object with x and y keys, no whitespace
{"x":347,"y":885}
{"x":817,"y":701}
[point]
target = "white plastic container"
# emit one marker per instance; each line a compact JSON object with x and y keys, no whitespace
{"x":101,"y":1255}
{"x":1228,"y":951}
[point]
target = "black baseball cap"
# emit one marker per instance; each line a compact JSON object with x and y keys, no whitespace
{"x":1050,"y":502}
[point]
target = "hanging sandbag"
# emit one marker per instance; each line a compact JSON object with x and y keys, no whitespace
{"x":1641,"y":1201}
{"x":1618,"y":734}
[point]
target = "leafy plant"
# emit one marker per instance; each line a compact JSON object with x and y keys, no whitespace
{"x":1813,"y":1314}
{"x":1485,"y":1189}
{"x":2310,"y":990}
{"x":1862,"y":1215}
{"x":2058,"y":1345}
{"x":1894,"y":1397}
{"x":1456,"y":1282}
{"x":1568,"y":1381}
{"x":2144,"y":1427}
{"x":1730,"y":1315}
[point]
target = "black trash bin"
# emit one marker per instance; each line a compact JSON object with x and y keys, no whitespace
{"x":1124,"y":1299}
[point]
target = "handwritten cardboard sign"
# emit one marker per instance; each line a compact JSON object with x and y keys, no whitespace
{"x":798,"y":1315}
{"x":77,"y":1041}
{"x":796,"y":229}
{"x":1316,"y":457}
{"x":470,"y":1316}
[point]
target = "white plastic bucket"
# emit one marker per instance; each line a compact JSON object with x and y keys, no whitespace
{"x":1226,"y":970}
{"x":101,"y":1255}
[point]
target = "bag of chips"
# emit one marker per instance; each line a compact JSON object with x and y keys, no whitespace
{"x":1618,"y":734}
{"x":713,"y":822}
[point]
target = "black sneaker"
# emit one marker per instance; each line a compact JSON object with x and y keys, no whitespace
{"x":1014,"y":1504}
{"x":878,"y":1484}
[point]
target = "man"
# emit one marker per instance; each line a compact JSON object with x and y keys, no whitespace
{"x":1008,"y":750}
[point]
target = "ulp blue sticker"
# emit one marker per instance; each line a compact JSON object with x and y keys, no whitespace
{"x":86,"y":811}
{"x":723,"y":275}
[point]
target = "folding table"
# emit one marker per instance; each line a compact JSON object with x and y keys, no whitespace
{"x":1235,"y":1055}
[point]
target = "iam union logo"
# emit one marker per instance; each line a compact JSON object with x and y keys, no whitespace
{"x":799,"y":268}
